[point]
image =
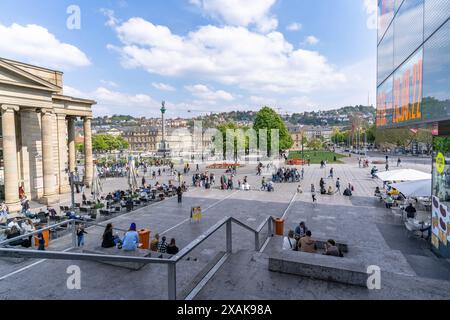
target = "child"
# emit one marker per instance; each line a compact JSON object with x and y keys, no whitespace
{"x":80,"y":235}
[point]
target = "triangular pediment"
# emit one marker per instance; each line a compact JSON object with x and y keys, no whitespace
{"x":12,"y":75}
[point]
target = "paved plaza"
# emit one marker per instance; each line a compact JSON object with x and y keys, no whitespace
{"x":374,"y":234}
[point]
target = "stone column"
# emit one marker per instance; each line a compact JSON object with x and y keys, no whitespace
{"x":48,"y":165}
{"x":72,"y":147}
{"x":88,"y":159}
{"x":11,"y":175}
{"x":62,"y":154}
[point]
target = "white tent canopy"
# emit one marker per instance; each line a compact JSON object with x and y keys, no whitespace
{"x":403,"y":175}
{"x":412,"y":189}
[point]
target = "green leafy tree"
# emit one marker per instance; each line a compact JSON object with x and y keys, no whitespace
{"x":316,"y":144}
{"x":269,"y":120}
{"x":108,"y":143}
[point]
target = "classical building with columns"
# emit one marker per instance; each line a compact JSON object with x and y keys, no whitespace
{"x":38,"y":134}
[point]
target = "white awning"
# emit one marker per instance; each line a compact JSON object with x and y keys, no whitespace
{"x":419,"y":188}
{"x":403,"y":175}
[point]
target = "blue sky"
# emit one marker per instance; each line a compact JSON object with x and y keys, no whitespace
{"x":201,"y":55}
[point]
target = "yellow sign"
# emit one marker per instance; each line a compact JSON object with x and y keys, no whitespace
{"x":196,"y":214}
{"x":440,"y":163}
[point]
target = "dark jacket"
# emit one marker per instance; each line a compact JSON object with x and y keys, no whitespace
{"x":172,"y":249}
{"x":108,"y":240}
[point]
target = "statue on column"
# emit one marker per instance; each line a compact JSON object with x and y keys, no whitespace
{"x":163,"y":148}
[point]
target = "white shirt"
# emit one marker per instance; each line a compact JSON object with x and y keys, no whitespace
{"x":287,"y":245}
{"x":12,"y":224}
{"x":27,"y":227}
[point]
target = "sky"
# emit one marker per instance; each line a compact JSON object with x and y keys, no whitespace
{"x":199,"y":55}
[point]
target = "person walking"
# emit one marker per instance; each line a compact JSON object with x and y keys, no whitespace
{"x":387,"y":166}
{"x":331,"y":176}
{"x":338,"y":186}
{"x":399,"y":162}
{"x":180,"y":194}
{"x":313,"y":193}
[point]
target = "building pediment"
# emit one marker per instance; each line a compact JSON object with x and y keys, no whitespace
{"x":14,"y":76}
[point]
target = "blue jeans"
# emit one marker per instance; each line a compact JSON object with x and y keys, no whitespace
{"x":81,"y":241}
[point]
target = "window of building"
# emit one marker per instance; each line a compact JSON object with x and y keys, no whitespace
{"x":408,"y":30}
{"x":385,"y":15}
{"x":436,"y":75}
{"x":386,"y":55}
{"x":436,"y":13}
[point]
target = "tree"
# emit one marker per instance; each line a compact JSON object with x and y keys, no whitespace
{"x":399,"y":137}
{"x":316,"y":144}
{"x":371,"y":133}
{"x":105,"y":142}
{"x":268,"y":119}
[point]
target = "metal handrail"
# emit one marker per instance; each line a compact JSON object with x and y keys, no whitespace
{"x":171,"y":263}
{"x":69,"y":221}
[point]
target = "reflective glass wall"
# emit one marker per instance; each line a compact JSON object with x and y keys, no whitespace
{"x":413,"y":75}
{"x":413,"y":79}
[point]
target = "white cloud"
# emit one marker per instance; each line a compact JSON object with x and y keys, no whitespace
{"x":109,"y":83}
{"x":240,"y":13}
{"x":163,"y":86}
{"x":227,"y":55}
{"x":208,"y":95}
{"x":114,"y":102}
{"x":311,"y":40}
{"x":294,"y":26}
{"x":35,"y":44}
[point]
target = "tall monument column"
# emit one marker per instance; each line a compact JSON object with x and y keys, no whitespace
{"x":72,"y":147}
{"x":48,"y":165}
{"x":11,"y":175}
{"x":88,"y":158}
{"x":163,"y":148}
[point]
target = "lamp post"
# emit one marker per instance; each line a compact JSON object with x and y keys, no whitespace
{"x":72,"y":190}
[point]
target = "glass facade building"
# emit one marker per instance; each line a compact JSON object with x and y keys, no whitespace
{"x":413,"y":88}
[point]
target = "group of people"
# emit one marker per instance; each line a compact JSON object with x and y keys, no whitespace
{"x":267,"y":185}
{"x":204,"y":180}
{"x":288,"y":175}
{"x":363,"y":163}
{"x":17,"y":228}
{"x":130,"y":241}
{"x":330,"y":191}
{"x":301,"y":240}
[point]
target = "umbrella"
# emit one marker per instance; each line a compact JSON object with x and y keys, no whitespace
{"x":403,"y":175}
{"x":132,"y":180}
{"x":413,"y":189}
{"x":97,"y":188}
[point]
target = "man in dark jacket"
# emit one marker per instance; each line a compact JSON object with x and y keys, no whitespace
{"x":180,"y":194}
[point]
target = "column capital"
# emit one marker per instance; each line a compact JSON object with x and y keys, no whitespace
{"x":10,"y":107}
{"x":46,"y":111}
{"x":88,"y":117}
{"x":61,"y":116}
